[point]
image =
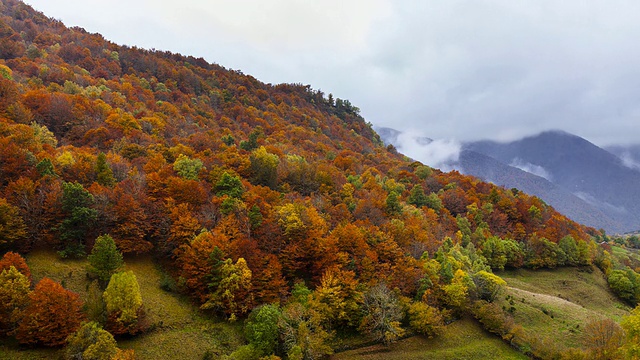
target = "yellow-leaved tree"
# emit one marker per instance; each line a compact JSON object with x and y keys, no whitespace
{"x":14,"y":295}
{"x":455,"y":294}
{"x":124,"y":304}
{"x":631,"y":326}
{"x":231,"y":284}
{"x":338,"y":298}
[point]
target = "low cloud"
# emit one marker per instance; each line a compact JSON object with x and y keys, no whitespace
{"x":629,"y":161}
{"x":531,"y":168}
{"x":603,"y":205}
{"x":440,"y":153}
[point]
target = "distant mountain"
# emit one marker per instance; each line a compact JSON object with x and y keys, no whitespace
{"x":393,"y":136}
{"x":630,"y":155}
{"x":499,"y":173}
{"x":591,"y":185}
{"x":598,"y":177}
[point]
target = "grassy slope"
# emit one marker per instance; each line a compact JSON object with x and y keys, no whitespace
{"x":463,"y":339}
{"x":556,"y":304}
{"x":183,"y":333}
{"x":552,"y":304}
{"x":180,"y":331}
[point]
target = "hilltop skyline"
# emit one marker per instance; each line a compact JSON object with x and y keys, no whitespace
{"x":491,"y":70}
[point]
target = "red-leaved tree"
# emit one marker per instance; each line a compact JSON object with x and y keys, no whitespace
{"x":53,"y":314}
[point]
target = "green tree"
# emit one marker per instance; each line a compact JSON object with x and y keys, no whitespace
{"x":621,"y":285}
{"x":255,"y":217}
{"x":105,"y":259}
{"x":465,"y":229}
{"x":228,"y":140}
{"x":570,"y":248}
{"x":434,"y":202}
{"x":541,"y":252}
{"x":423,"y":171}
{"x":393,"y":204}
{"x":247,"y":352}
{"x":584,"y":253}
{"x":123,"y":300}
{"x":103,"y":170}
{"x":446,"y":270}
{"x":634,"y":241}
{"x":45,"y":167}
{"x":187,"y":168}
{"x":76,"y":204}
{"x":417,"y":196}
{"x":514,"y":253}
{"x":217,"y":260}
{"x":261,"y":328}
{"x":382,"y":315}
{"x":252,"y":142}
{"x":300,"y":293}
{"x":94,"y":306}
{"x":494,"y":251}
{"x":535,"y":213}
{"x":229,"y":185}
{"x":488,"y":285}
{"x":5,"y":72}
{"x":91,"y":342}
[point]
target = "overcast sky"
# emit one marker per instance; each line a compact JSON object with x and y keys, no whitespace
{"x":464,"y":70}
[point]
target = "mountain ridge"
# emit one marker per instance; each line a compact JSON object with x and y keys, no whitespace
{"x":588,"y":183}
{"x":582,"y":168}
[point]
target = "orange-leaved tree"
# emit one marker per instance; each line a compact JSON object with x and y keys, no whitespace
{"x":12,"y":228}
{"x":53,"y":314}
{"x":14,"y":259}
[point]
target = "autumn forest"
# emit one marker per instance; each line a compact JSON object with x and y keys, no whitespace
{"x":273,"y":206}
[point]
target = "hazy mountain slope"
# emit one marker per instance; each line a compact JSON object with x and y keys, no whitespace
{"x":629,"y":154}
{"x":579,"y":179}
{"x":395,"y":137}
{"x":490,"y":169}
{"x":591,"y":173}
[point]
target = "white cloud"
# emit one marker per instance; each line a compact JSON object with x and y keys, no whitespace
{"x":440,"y":153}
{"x":531,"y":168}
{"x":629,"y":161}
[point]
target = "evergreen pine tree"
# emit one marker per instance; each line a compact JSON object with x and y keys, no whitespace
{"x":105,"y":174}
{"x":105,"y":259}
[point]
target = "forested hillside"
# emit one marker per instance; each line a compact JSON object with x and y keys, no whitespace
{"x":247,"y":193}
